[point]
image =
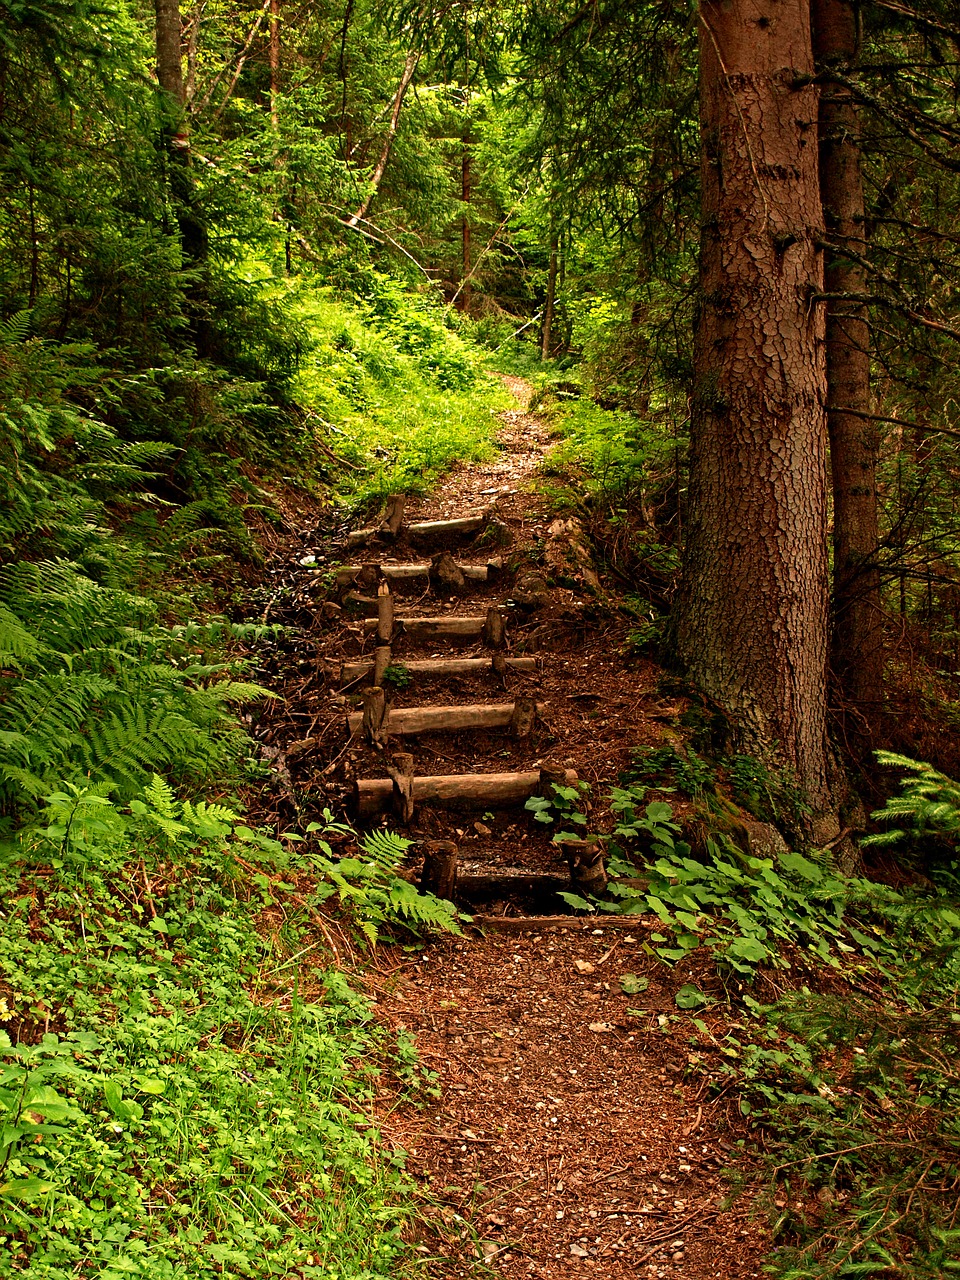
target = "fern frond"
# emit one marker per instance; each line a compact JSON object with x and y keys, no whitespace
{"x":385,"y":848}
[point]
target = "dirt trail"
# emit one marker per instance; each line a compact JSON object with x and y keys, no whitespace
{"x":569,"y":1135}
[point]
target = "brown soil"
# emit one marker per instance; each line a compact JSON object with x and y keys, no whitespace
{"x":566,"y":1138}
{"x":570,"y":1134}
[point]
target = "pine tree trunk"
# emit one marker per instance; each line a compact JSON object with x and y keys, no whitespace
{"x":466,"y":194}
{"x":194,"y":241}
{"x":751,"y":620}
{"x":857,"y":649}
{"x":274,"y":63}
{"x":550,"y":302}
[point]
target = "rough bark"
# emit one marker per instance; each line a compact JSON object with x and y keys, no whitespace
{"x":550,"y":302}
{"x":459,"y":791}
{"x":439,"y":874}
{"x":175,"y":133}
{"x":857,"y":639}
{"x":752,"y":612}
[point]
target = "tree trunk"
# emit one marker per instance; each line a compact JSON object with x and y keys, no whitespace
{"x":466,"y":192}
{"x":550,"y":302}
{"x":176,"y":138}
{"x":857,"y":648}
{"x":752,"y":610}
{"x":274,"y":63}
{"x":409,"y":67}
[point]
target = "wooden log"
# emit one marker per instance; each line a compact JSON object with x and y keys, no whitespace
{"x":465,"y":790}
{"x":373,"y":718}
{"x":425,"y":531}
{"x":368,"y":577}
{"x":350,"y":573}
{"x":446,"y":574}
{"x":510,"y":882}
{"x":499,"y":663}
{"x":356,"y":603}
{"x":401,"y":773}
{"x":551,"y":773}
{"x":393,"y":516}
{"x":442,"y":719}
{"x":524,"y":717}
{"x":439,"y":875}
{"x":588,"y":875}
{"x":384,"y":614}
{"x":382,"y":656}
{"x":430,"y":530}
{"x":439,"y":628}
{"x":494,"y":632}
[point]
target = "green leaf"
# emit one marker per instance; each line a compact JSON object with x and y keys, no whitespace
{"x":690,"y":997}
{"x":631,"y":984}
{"x":25,"y":1188}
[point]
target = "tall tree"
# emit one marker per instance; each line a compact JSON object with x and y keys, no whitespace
{"x":194,"y":239}
{"x":857,"y":637}
{"x":753,"y":607}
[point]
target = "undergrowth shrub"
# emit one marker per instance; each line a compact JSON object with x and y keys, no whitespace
{"x":398,"y":393}
{"x":181,"y":1093}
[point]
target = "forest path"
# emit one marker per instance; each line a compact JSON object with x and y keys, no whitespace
{"x":570,"y":1134}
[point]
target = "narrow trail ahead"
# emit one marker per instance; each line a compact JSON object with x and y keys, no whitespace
{"x":570,"y":1134}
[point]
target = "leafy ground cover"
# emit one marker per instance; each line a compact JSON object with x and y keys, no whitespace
{"x":185,"y":1084}
{"x":850,"y":1077}
{"x":393,"y":386}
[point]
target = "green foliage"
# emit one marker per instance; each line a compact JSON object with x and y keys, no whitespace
{"x":195,"y":1081}
{"x":393,"y":387}
{"x":371,"y":890}
{"x":617,"y":453}
{"x":561,"y":806}
{"x":96,"y":689}
{"x":683,"y":767}
{"x":857,"y":1101}
{"x":397,"y":675}
{"x":929,"y":804}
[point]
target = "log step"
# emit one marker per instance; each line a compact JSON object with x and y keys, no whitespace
{"x":510,"y":882}
{"x":465,"y":790}
{"x":349,"y":672}
{"x":427,"y":628}
{"x":450,"y":719}
{"x":425,"y":531}
{"x":405,"y":572}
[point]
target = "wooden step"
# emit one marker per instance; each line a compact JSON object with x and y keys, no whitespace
{"x":406,"y":572}
{"x":450,"y":719}
{"x":350,"y":672}
{"x":458,"y":627}
{"x":426,"y":531}
{"x":456,"y":791}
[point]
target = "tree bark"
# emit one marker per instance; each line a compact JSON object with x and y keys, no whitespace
{"x":274,"y":34}
{"x":175,"y":132}
{"x":751,"y":621}
{"x":376,"y":177}
{"x":466,"y":193}
{"x":550,"y":302}
{"x":857,"y":640}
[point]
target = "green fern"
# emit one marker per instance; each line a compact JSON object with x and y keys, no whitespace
{"x":385,"y":848}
